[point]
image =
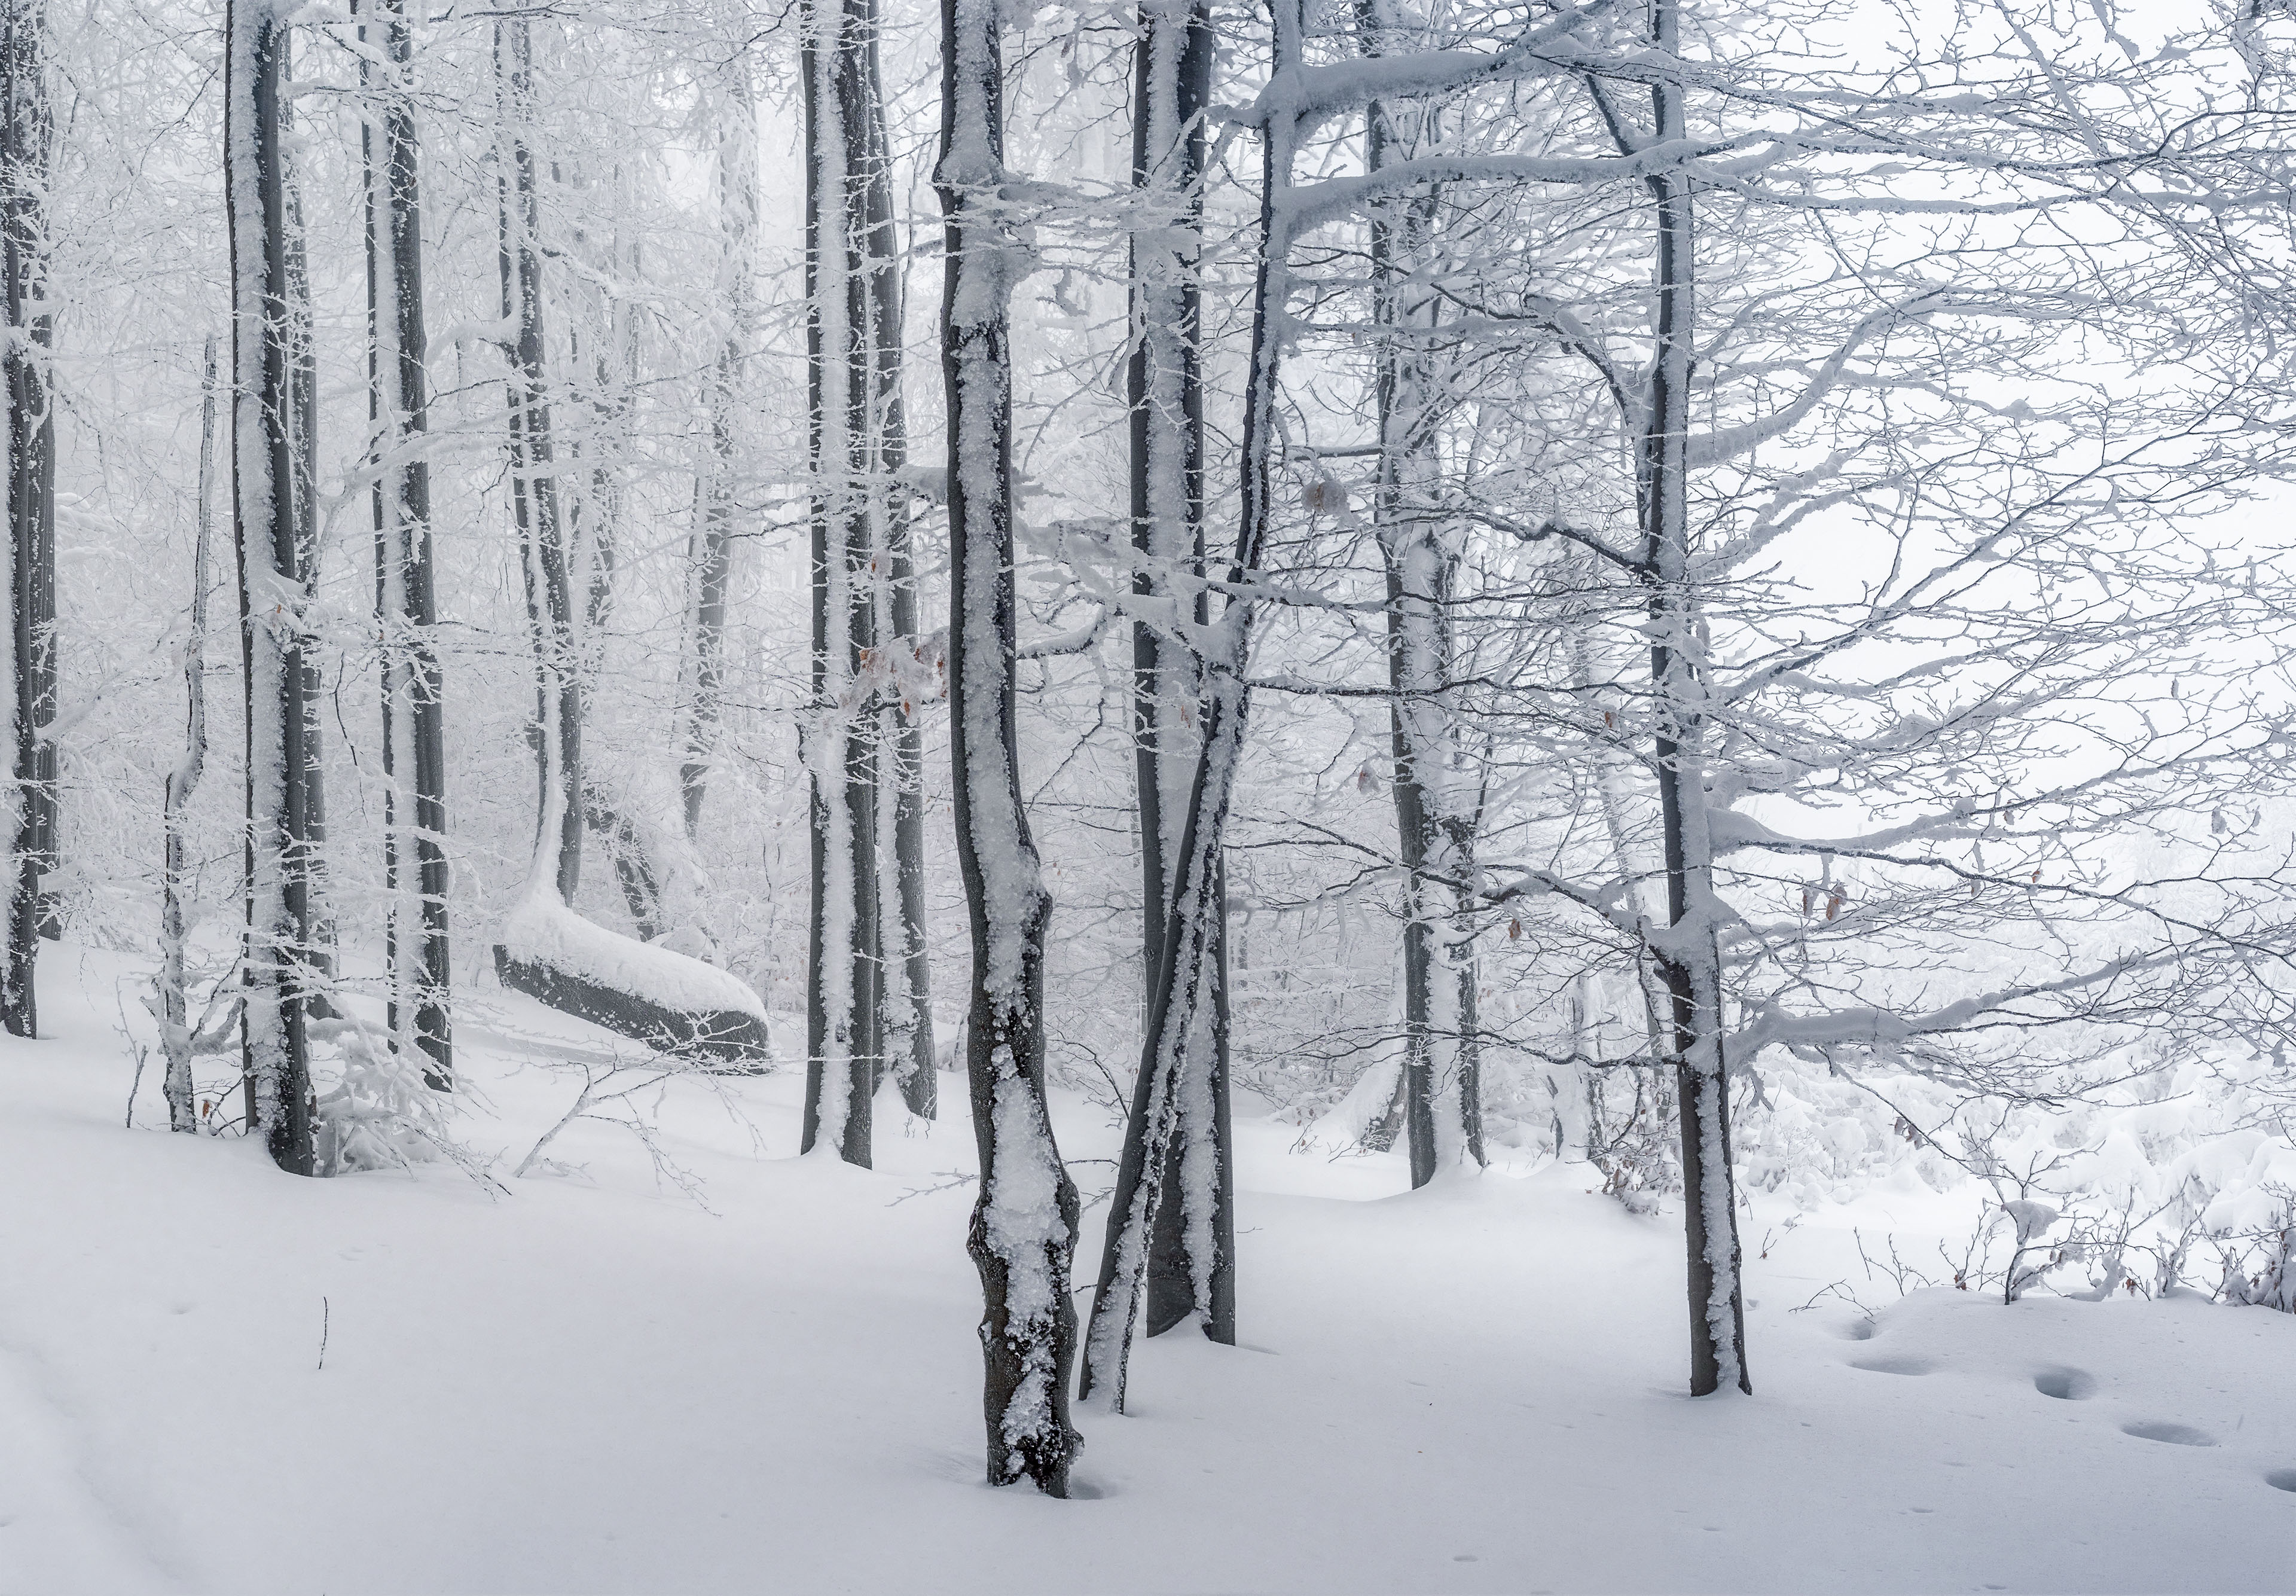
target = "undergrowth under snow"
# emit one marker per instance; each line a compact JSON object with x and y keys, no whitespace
{"x":763,"y":1375}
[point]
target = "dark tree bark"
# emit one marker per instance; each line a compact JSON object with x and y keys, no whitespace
{"x":1024,"y":1222}
{"x":1191,"y":1259}
{"x":550,"y":600}
{"x":25,"y":137}
{"x":1189,"y":984}
{"x":414,"y":729}
{"x":1689,"y":963}
{"x":303,"y":423}
{"x":844,"y":1011}
{"x":267,"y":534}
{"x":904,"y":965}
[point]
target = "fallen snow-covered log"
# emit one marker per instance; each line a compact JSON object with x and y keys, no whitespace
{"x":669,"y":1001}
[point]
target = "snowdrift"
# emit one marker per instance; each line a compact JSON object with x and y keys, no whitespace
{"x":669,"y":1001}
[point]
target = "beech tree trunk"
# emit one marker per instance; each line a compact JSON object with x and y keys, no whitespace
{"x":1191,"y":1266}
{"x":1188,"y":984}
{"x":414,"y":730}
{"x":266,"y":533}
{"x":909,"y":1046}
{"x":25,"y":132}
{"x":905,"y":680}
{"x":1689,"y":959}
{"x":549,"y":600}
{"x":1442,"y":1095}
{"x":845,"y":1010}
{"x":175,"y":1038}
{"x":303,"y":420}
{"x":1024,"y":1222}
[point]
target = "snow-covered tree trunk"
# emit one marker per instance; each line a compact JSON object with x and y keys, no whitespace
{"x":271,"y":593}
{"x":176,"y":1040}
{"x":1688,"y":953}
{"x":1435,"y":802}
{"x":413,"y":731}
{"x":25,"y":135}
{"x":909,"y":1048}
{"x":906,"y":681}
{"x":303,"y":423}
{"x":1024,"y":1222}
{"x":552,"y":630}
{"x":1189,"y":983}
{"x":1191,"y":1262}
{"x":843,"y":1011}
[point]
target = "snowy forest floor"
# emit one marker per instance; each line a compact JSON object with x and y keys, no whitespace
{"x":598,"y":1384}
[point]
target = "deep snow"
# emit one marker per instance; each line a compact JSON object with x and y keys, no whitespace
{"x":594,"y":1382}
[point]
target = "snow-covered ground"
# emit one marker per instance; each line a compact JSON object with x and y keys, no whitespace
{"x":591,"y":1381}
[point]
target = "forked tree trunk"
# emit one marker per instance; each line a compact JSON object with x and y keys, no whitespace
{"x":1024,"y":1222}
{"x":25,"y":135}
{"x":1188,"y":985}
{"x":175,"y":1038}
{"x":267,"y":534}
{"x":551,"y":628}
{"x":1442,"y":1095}
{"x":844,"y":1010}
{"x":1689,"y":961}
{"x":413,"y":731}
{"x":1192,"y":1252}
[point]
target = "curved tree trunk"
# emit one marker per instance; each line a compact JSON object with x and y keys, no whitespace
{"x":1191,"y":1266}
{"x":1024,"y":1224}
{"x":1188,"y":983}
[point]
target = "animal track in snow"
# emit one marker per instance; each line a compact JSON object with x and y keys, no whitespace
{"x":1862,"y":1329}
{"x":2281,"y":1479}
{"x":1895,"y":1365}
{"x":2066,"y":1384}
{"x":2175,"y":1435}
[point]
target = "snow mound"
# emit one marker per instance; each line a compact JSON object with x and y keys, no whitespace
{"x":665,"y":998}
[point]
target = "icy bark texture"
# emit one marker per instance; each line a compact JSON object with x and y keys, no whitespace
{"x":1024,"y":1222}
{"x":1188,"y":990}
{"x":271,"y":592}
{"x":30,"y":474}
{"x":1436,"y":796}
{"x":414,"y":730}
{"x":1191,"y":1255}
